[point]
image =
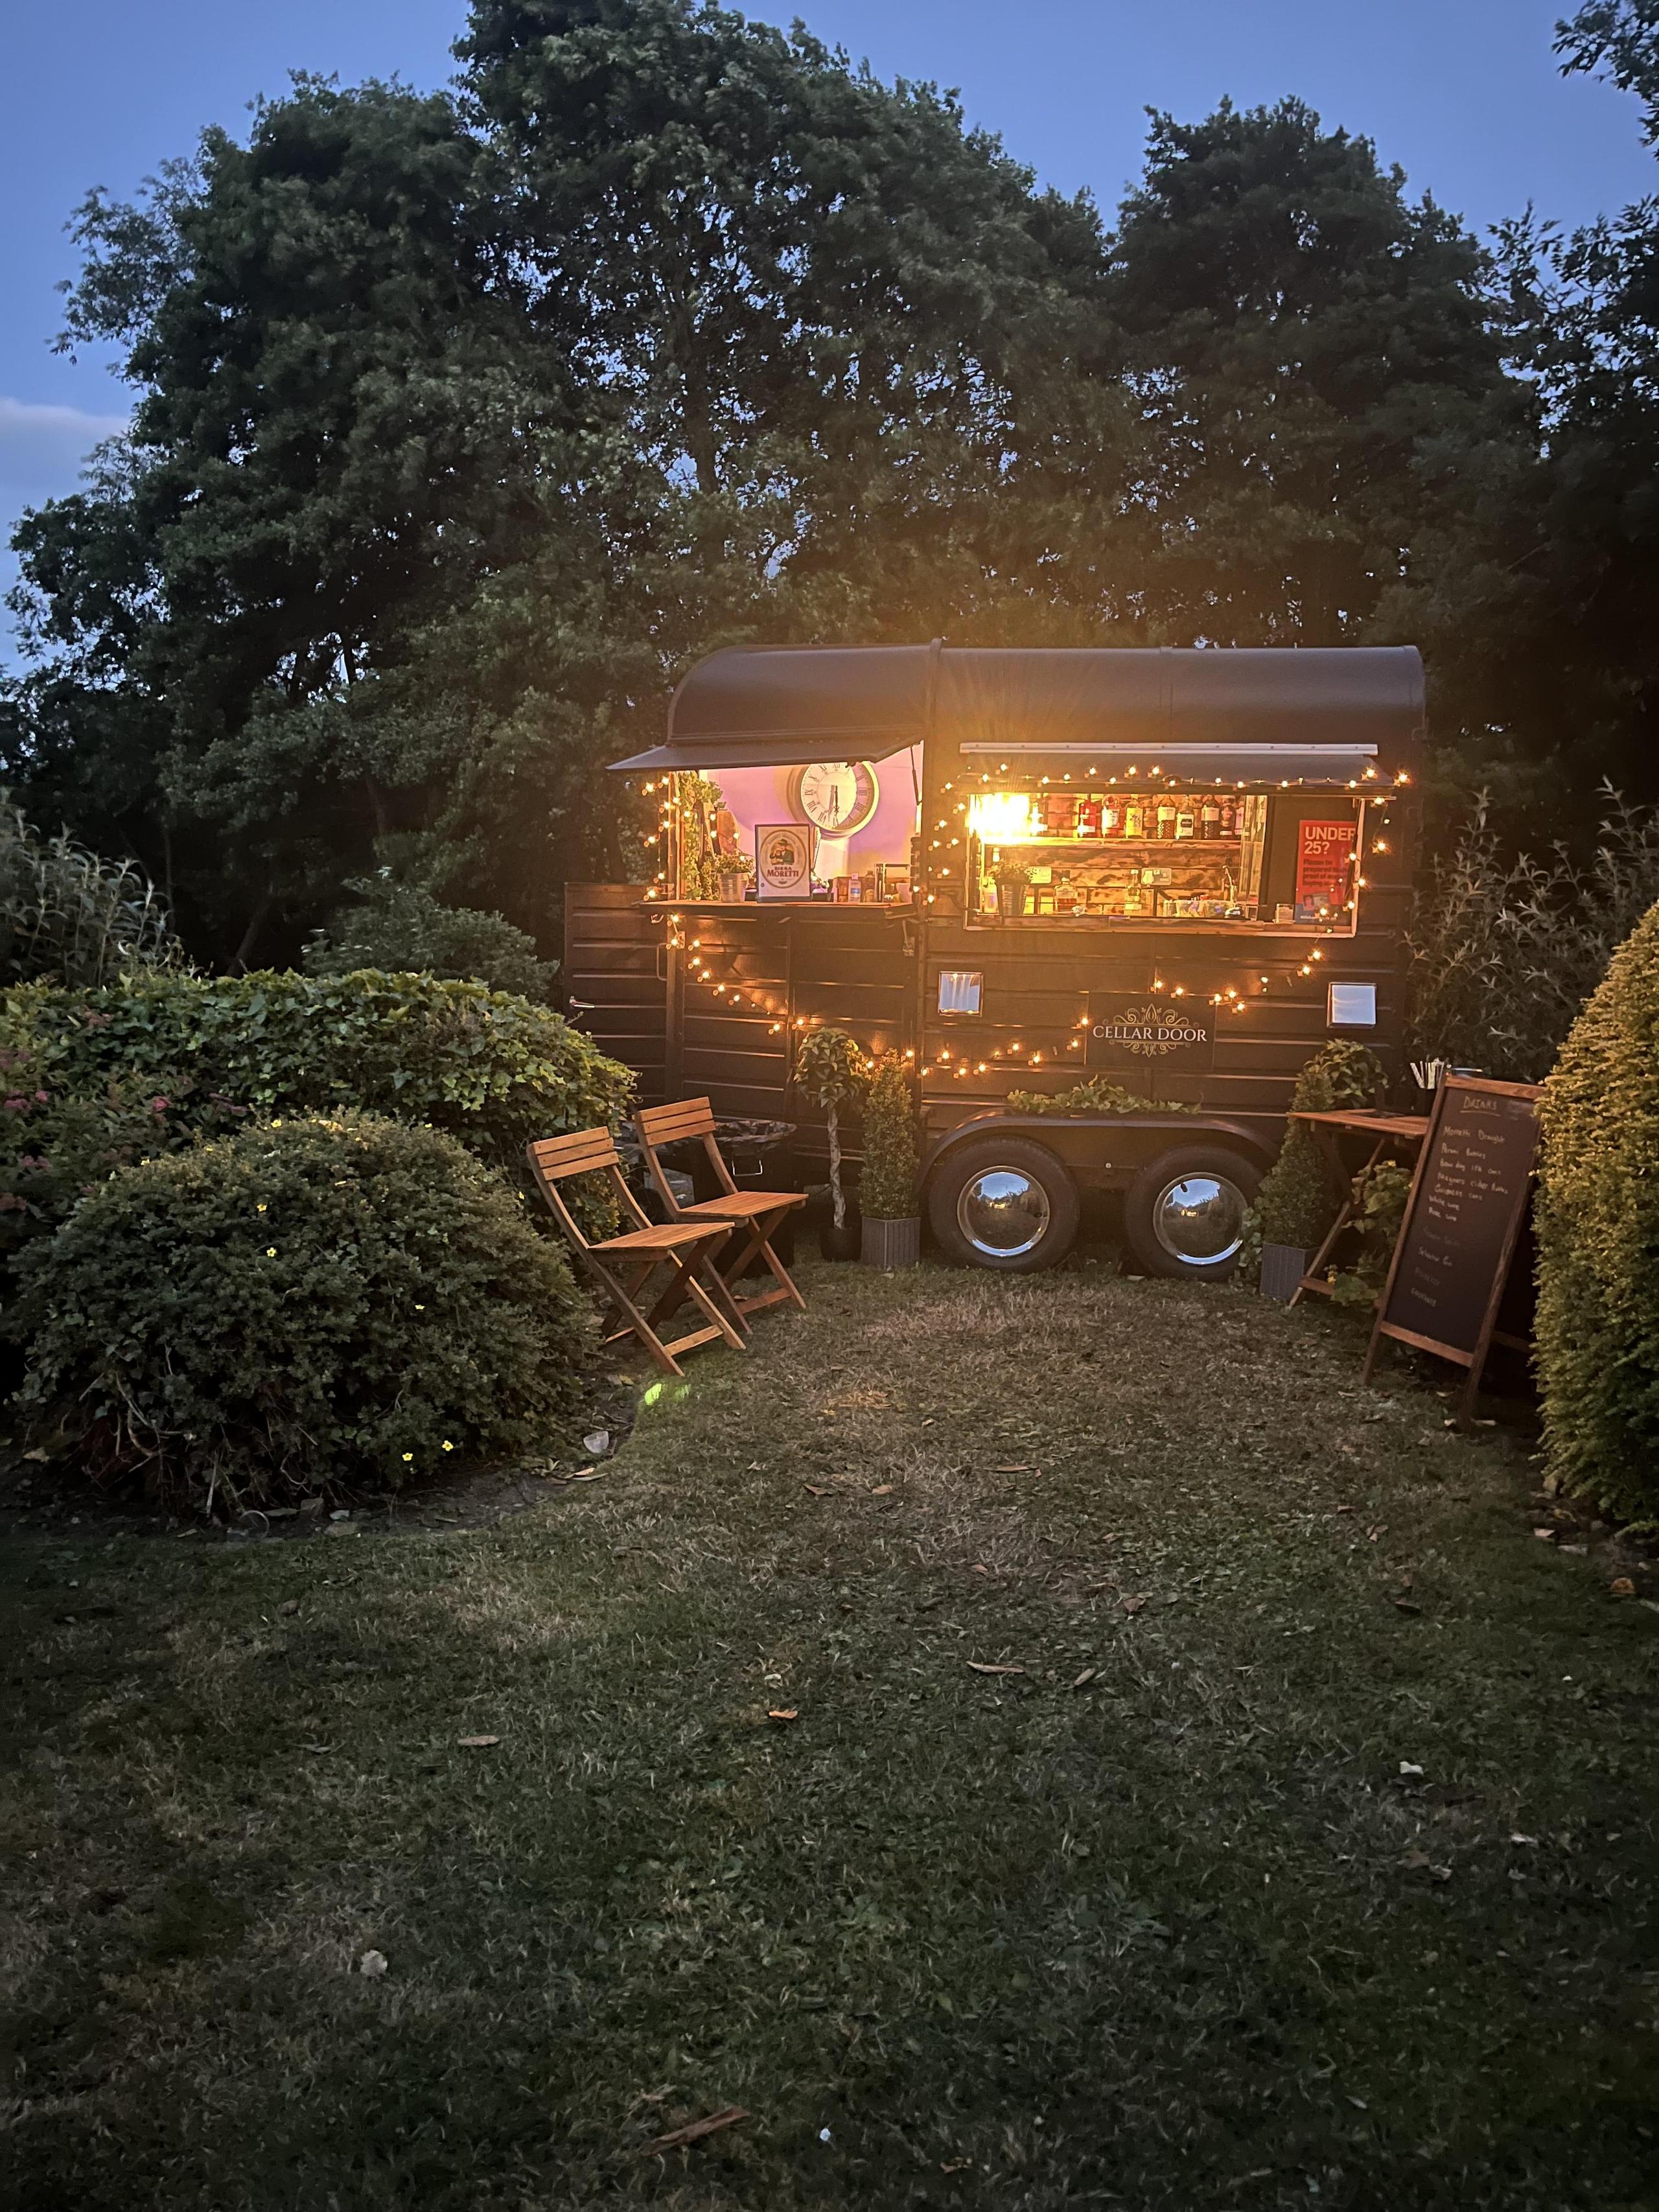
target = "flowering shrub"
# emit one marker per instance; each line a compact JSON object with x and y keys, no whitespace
{"x":303,"y":1309}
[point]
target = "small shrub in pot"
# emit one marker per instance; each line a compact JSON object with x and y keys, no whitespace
{"x":832,"y":1072}
{"x":1296,"y":1204}
{"x":306,"y":1308}
{"x":892,"y":1158}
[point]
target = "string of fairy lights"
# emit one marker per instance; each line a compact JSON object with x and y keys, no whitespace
{"x":727,"y":994}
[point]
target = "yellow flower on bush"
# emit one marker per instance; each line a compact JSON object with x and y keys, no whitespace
{"x":408,"y":1457}
{"x":271,"y":1251}
{"x":260,"y":1208}
{"x":448,"y":1445}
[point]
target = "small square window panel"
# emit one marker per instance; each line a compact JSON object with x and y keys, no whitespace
{"x":1352,"y":1006}
{"x":958,"y":990}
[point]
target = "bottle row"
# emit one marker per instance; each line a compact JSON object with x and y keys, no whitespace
{"x":1209,"y":817}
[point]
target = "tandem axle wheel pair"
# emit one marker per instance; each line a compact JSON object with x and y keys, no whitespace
{"x":1011,"y":1204}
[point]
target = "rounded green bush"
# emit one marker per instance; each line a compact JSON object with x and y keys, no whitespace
{"x":306,"y":1307}
{"x":1598,"y":1240}
{"x":887,"y":1189}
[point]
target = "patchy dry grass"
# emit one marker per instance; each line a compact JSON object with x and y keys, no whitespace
{"x":1169,"y":1917}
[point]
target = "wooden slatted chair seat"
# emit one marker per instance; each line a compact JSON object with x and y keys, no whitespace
{"x":686,"y":1248}
{"x":761,"y":1212}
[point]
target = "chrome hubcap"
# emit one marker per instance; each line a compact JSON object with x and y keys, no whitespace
{"x":1003,"y":1211}
{"x":1199,"y":1219}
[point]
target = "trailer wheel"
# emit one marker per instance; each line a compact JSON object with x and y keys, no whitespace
{"x":1004,"y":1203}
{"x":1184,"y":1212}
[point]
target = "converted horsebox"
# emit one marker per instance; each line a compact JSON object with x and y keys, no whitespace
{"x":1178,"y":871}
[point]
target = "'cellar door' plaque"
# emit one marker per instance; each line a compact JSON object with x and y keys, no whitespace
{"x":1140,"y":1036}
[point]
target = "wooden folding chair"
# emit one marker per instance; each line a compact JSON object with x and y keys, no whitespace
{"x":761,"y":1211}
{"x":622,"y":1265}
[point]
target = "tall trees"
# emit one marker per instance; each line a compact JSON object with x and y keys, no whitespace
{"x":465,"y":420}
{"x":1300,"y":336}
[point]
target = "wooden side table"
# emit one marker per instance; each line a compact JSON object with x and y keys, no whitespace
{"x":1404,"y":1130}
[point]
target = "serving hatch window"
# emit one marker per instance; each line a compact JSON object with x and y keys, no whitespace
{"x":1170,"y":850}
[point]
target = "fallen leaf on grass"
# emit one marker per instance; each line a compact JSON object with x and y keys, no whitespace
{"x":1020,"y":1467}
{"x":1405,"y":1605}
{"x":1087,"y":1675}
{"x":984,"y":1667}
{"x":476,"y":1742}
{"x":373,"y":1963}
{"x":1621,"y":1586}
{"x":955,"y":2165}
{"x":677,"y":2138}
{"x":1545,"y":1535}
{"x":1132,"y":1604}
{"x":783,"y":1713}
{"x":814,"y":1490}
{"x":1408,"y":1766}
{"x":882,"y":1490}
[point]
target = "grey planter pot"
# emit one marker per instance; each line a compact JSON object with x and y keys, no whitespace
{"x":1283,"y":1266}
{"x":891,"y":1244}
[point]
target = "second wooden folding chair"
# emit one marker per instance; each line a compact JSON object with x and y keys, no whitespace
{"x":622,"y":1265}
{"x":762,"y":1212}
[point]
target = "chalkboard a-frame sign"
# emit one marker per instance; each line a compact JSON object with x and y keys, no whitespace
{"x":1462,"y":1224}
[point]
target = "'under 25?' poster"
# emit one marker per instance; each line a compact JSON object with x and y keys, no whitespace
{"x":1324,"y":852}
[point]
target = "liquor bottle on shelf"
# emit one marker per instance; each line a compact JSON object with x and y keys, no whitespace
{"x":1229,"y":817}
{"x":1111,"y":818}
{"x":1087,"y":817}
{"x":1134,"y":819}
{"x":1134,"y":898}
{"x":1209,"y":817}
{"x":1165,"y":816}
{"x":1186,"y":818}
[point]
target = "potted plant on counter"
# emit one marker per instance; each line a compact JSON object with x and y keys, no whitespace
{"x":892,"y":1226}
{"x":831,"y":1071}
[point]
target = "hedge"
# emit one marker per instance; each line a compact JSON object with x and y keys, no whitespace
{"x":1598,"y":1241}
{"x":301,"y":1309}
{"x":97,"y":1079}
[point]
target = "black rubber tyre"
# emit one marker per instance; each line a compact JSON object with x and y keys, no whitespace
{"x":1195,"y":1197}
{"x":1006,"y":1204}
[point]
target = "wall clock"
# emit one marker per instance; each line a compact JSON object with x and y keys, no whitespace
{"x":837,"y":797}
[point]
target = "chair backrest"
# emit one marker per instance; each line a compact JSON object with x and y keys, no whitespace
{"x":683,"y":1119}
{"x":554,"y":1160}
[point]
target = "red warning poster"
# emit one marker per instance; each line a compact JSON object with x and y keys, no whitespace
{"x":1323,"y":852}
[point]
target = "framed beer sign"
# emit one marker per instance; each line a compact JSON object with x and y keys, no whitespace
{"x":783,"y":860}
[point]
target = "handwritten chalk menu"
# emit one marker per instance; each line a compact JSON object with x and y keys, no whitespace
{"x":1463,"y":1221}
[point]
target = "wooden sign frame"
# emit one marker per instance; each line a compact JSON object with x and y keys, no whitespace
{"x":1489,"y":1332}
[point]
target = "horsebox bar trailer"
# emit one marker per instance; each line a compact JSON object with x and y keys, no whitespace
{"x":1177,"y":871}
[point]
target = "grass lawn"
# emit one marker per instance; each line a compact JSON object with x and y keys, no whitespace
{"x":1203,"y":1790}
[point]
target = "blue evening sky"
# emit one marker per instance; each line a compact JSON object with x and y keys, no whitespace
{"x":1464,"y":94}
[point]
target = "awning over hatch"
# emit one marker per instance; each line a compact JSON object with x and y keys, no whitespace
{"x":776,"y":705}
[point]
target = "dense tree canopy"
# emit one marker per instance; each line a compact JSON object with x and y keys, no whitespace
{"x":465,"y":421}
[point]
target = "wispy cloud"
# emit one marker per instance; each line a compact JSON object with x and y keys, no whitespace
{"x":43,"y":448}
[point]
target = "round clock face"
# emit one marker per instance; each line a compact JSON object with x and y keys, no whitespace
{"x":837,"y":797}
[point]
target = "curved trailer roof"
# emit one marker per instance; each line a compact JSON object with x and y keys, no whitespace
{"x":1323,"y":712}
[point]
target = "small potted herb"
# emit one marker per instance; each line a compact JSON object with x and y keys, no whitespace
{"x":892,"y":1227}
{"x":831,"y":1071}
{"x":1011,"y":877}
{"x":734,"y":870}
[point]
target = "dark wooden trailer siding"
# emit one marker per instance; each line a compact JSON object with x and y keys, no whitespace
{"x":614,"y":979}
{"x":711,"y":999}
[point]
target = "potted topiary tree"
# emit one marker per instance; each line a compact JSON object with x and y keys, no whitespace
{"x":831,"y":1071}
{"x":1296,"y":1204}
{"x":892,"y":1227}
